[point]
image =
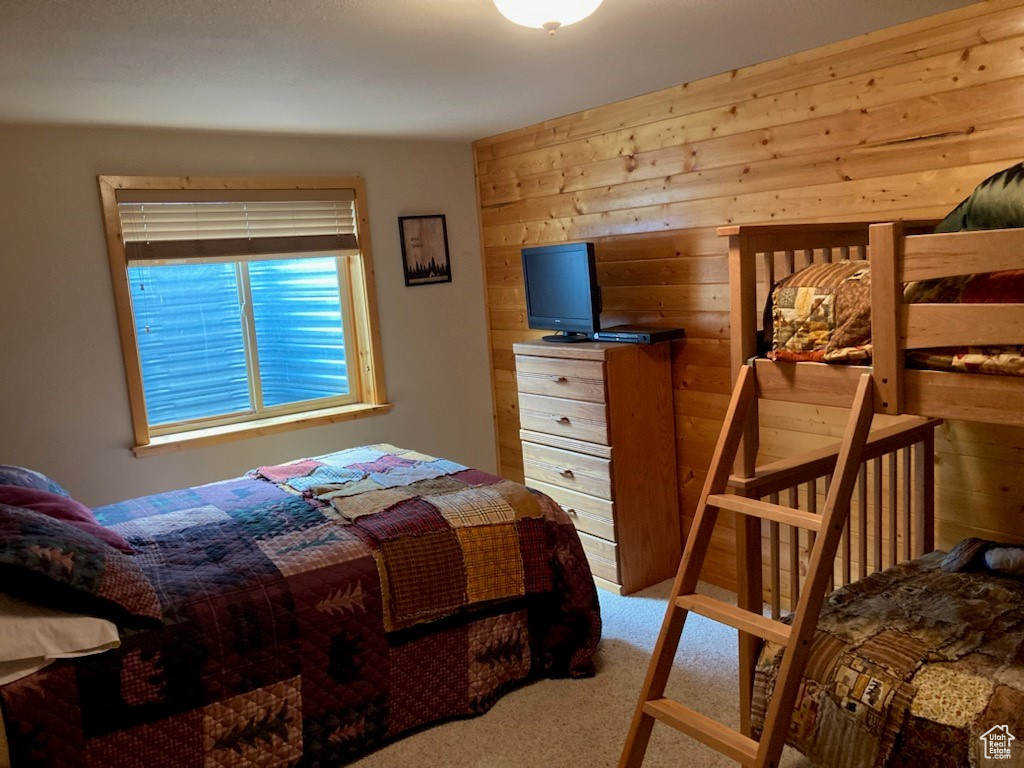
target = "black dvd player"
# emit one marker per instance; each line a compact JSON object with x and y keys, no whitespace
{"x":638,"y":334}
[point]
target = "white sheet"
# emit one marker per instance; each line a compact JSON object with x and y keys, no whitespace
{"x":32,"y":637}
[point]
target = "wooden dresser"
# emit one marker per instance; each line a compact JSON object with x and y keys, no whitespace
{"x":598,"y":430}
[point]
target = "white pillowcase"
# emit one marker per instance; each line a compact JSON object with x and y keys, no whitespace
{"x":32,"y":636}
{"x":1006,"y":560}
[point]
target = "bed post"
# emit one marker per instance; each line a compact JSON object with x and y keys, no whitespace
{"x":886,"y":305}
{"x":743,"y":321}
{"x":924,"y":495}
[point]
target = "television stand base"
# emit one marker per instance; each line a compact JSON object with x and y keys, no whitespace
{"x":566,"y":337}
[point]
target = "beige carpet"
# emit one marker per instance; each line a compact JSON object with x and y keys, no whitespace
{"x":570,"y":723}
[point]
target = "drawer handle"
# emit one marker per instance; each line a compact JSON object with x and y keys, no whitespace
{"x":559,"y":379}
{"x":567,"y":473}
{"x":562,"y":419}
{"x":570,"y":511}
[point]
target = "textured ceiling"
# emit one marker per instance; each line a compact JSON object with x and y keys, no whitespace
{"x":446,"y":69}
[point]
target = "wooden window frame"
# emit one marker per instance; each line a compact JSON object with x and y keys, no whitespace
{"x":371,"y":397}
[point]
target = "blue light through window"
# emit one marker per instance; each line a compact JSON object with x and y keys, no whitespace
{"x":299,"y":331}
{"x":190,"y":325}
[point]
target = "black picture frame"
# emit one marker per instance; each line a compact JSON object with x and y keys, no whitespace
{"x":425,"y":257}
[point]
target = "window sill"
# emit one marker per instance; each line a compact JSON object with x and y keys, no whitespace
{"x":268,"y":426}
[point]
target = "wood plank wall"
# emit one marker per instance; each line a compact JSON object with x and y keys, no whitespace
{"x":900,"y":123}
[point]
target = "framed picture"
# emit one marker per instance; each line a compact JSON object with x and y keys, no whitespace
{"x":425,"y":249}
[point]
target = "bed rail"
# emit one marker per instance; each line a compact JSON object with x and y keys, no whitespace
{"x":899,"y":256}
{"x":892,"y":520}
{"x":959,"y":253}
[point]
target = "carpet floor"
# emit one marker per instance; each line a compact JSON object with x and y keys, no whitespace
{"x":570,"y":723}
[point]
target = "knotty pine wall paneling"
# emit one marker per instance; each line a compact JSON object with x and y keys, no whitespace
{"x":899,"y":123}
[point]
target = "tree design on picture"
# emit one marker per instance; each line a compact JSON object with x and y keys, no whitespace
{"x":425,"y":249}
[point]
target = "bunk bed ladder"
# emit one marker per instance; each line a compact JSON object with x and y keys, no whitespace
{"x":796,"y":638}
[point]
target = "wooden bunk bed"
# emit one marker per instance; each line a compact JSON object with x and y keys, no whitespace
{"x":889,"y":473}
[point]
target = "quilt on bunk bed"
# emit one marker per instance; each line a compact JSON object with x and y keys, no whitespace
{"x":910,"y":667}
{"x":823,"y":314}
{"x":314,"y":610}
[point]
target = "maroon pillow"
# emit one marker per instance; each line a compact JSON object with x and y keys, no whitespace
{"x":62,"y":508}
{"x":995,"y":288}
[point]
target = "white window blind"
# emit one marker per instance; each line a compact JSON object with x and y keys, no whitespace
{"x":160,"y":227}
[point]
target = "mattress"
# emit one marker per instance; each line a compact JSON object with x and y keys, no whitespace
{"x":823,"y":314}
{"x":911,"y":666}
{"x":314,"y":610}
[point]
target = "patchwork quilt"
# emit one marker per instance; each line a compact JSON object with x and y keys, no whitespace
{"x":314,"y":610}
{"x":911,"y":667}
{"x":823,"y":314}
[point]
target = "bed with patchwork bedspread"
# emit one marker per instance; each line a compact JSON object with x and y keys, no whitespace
{"x":910,"y":668}
{"x":314,"y":610}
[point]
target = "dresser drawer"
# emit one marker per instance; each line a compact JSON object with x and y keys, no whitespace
{"x":560,"y":377}
{"x":603,"y":557}
{"x":567,"y":418}
{"x":588,"y":513}
{"x":567,"y":469}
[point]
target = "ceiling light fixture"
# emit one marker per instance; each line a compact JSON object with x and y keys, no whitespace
{"x":546,"y":14}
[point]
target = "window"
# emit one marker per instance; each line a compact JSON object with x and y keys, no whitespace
{"x":244,"y":306}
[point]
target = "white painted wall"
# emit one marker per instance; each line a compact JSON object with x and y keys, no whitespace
{"x":63,"y":402}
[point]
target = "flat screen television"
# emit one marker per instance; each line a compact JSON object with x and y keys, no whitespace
{"x":561,"y":290}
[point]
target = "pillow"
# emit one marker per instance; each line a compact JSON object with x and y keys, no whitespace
{"x":966,"y":555}
{"x":62,"y":508}
{"x":995,"y":288}
{"x":996,"y":203}
{"x":52,"y":563}
{"x":32,"y":636}
{"x":1006,"y":560}
{"x":823,"y":312}
{"x":29,"y":478}
{"x":976,"y":554}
